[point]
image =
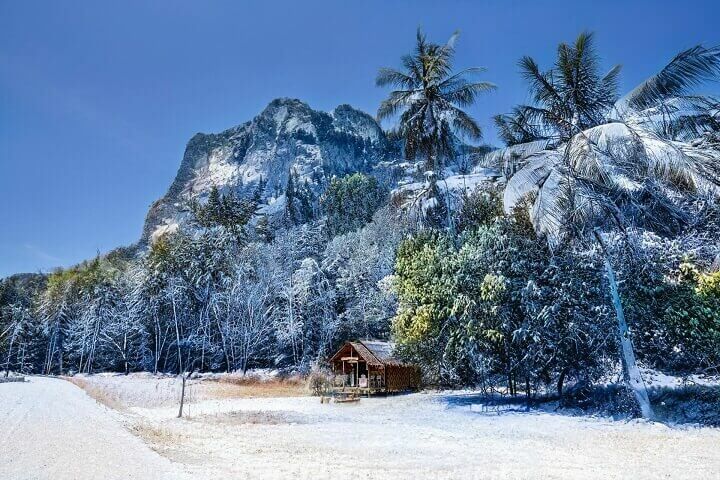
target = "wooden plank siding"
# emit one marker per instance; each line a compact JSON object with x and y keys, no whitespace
{"x":373,"y":359}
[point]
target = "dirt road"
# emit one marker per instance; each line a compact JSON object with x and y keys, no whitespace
{"x":50,"y":429}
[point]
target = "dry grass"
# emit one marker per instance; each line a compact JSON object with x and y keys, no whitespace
{"x":97,"y":392}
{"x":121,"y":392}
{"x":158,"y":437}
{"x":4,"y":379}
{"x":236,"y":386}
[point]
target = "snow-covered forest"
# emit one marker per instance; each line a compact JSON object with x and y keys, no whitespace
{"x":588,"y":243}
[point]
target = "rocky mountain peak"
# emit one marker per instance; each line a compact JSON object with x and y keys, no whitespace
{"x":287,"y":137}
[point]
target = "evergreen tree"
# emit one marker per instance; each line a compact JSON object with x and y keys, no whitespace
{"x":351,"y":201}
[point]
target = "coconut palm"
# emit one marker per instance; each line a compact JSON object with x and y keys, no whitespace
{"x":430,"y":98}
{"x":517,"y":127}
{"x":610,"y":163}
{"x":572,"y":97}
{"x":568,"y":98}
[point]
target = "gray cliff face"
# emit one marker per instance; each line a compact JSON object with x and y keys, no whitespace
{"x":288,"y":136}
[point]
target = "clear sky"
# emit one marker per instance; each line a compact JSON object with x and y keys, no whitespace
{"x":98,"y":98}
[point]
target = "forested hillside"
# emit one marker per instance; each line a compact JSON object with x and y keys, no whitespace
{"x":585,"y":244}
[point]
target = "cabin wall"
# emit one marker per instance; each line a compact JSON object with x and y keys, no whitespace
{"x":399,"y":378}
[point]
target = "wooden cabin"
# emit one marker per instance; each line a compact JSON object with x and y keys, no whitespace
{"x":368,"y":366}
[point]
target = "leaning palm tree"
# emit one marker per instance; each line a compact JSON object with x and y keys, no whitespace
{"x":429,"y":99}
{"x":609,"y":163}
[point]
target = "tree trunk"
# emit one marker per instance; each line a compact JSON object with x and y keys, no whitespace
{"x":448,"y":212}
{"x":182,"y":396}
{"x":224,"y":344}
{"x":158,"y":348}
{"x":9,"y":355}
{"x":527,"y":388}
{"x":633,"y":377}
{"x":125,"y":354}
{"x":561,"y":382}
{"x":177,"y":339}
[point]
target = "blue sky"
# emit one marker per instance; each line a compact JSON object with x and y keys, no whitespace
{"x":98,"y":98}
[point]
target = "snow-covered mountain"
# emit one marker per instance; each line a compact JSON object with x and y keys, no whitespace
{"x":288,"y":136}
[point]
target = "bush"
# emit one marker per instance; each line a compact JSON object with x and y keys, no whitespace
{"x":672,"y":306}
{"x":691,"y":404}
{"x":616,"y":401}
{"x":319,"y":382}
{"x":481,"y":207}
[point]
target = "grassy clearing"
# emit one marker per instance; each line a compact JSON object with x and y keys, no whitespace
{"x":97,"y":392}
{"x":143,"y":390}
{"x":237,"y":386}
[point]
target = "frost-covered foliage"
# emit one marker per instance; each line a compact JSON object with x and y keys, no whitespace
{"x":496,"y":308}
{"x":351,"y":201}
{"x":593,"y":166}
{"x":22,"y":342}
{"x":673,"y":302}
{"x":277,"y":240}
{"x":213,"y":295}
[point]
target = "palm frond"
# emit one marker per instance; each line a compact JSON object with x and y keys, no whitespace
{"x":519,"y":126}
{"x":687,"y":69}
{"x":682,"y":118}
{"x":608,"y":88}
{"x":397,"y":100}
{"x":530,"y":178}
{"x":464,"y":123}
{"x":389,"y":76}
{"x":465,"y":93}
{"x":450,"y":44}
{"x":461,"y":74}
{"x":541,"y":84}
{"x":689,"y":127}
{"x":509,"y":158}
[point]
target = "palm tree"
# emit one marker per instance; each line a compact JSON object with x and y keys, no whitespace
{"x":607,"y":163}
{"x":429,"y":99}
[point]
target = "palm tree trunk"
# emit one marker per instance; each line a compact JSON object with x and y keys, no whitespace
{"x":633,"y":377}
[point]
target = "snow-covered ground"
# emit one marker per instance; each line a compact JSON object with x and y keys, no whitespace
{"x":657,"y":379}
{"x":423,"y":435}
{"x":50,"y":429}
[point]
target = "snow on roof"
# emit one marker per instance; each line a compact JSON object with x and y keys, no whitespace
{"x":374,"y":352}
{"x":383,"y":351}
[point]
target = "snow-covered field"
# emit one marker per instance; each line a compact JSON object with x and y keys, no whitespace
{"x":423,"y":435}
{"x":50,"y":429}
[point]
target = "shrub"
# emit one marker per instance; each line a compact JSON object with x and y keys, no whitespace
{"x":690,"y":404}
{"x":319,"y":382}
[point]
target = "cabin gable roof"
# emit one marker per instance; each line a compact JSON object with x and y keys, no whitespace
{"x":373,"y":352}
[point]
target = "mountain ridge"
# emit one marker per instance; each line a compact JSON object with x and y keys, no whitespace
{"x":287,"y":137}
